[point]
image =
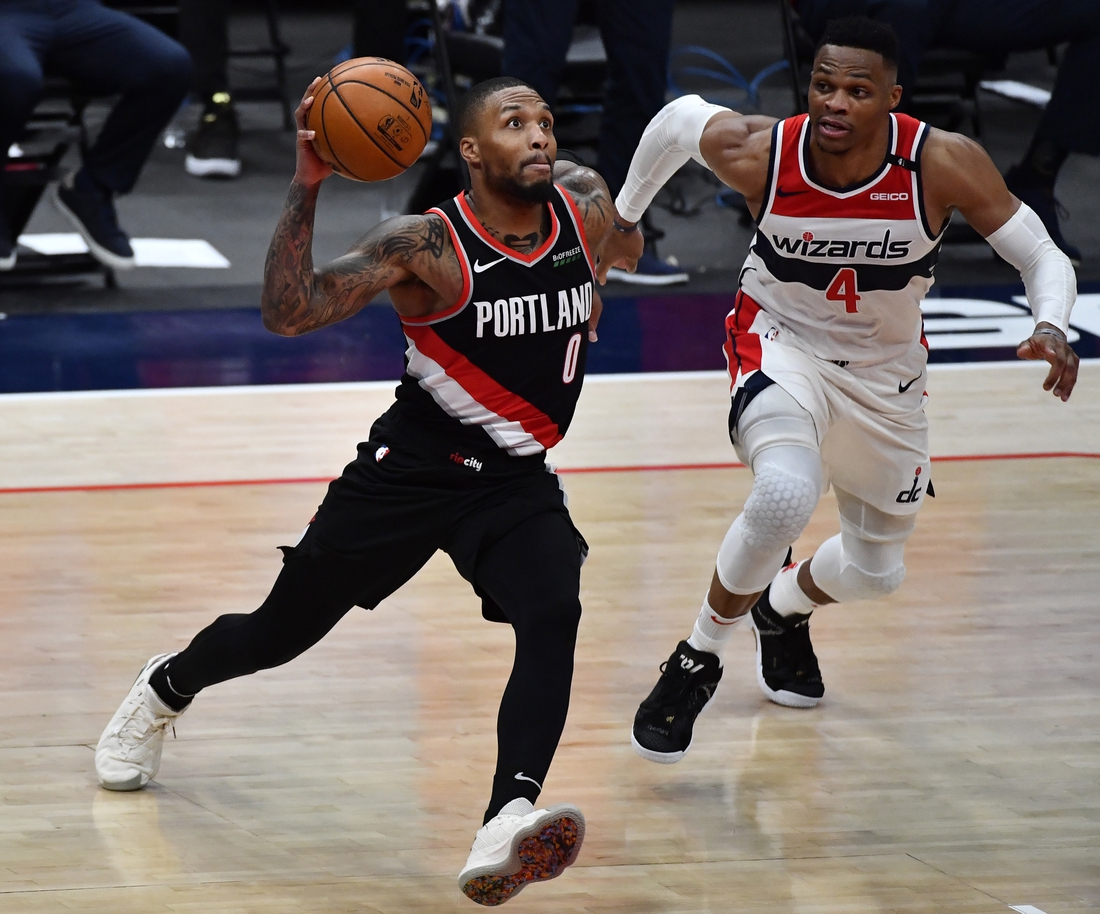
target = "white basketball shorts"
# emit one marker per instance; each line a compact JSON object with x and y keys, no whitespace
{"x":872,"y":432}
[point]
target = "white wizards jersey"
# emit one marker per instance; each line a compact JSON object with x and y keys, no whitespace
{"x":844,"y":271}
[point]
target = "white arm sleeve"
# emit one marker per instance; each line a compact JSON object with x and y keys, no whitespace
{"x":671,"y":138}
{"x":1049,"y":280}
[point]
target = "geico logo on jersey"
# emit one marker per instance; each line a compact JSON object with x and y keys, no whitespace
{"x":809,"y":246}
{"x":901,"y":196}
{"x":521,"y":314}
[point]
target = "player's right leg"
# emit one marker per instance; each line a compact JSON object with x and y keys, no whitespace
{"x":309,"y":597}
{"x":358,"y":550}
{"x":778,"y":439}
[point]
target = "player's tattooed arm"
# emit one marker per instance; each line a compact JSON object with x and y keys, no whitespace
{"x":593,"y":199}
{"x":298,"y":298}
{"x":589,"y":191}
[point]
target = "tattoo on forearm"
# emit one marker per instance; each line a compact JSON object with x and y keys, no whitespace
{"x":297,"y":299}
{"x":288,"y":271}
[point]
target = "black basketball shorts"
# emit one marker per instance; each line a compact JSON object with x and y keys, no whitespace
{"x":410,"y":492}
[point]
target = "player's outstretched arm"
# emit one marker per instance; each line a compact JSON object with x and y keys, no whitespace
{"x":297,"y":298}
{"x":958,"y":174}
{"x":734,"y":146}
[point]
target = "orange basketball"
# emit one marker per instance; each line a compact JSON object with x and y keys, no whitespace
{"x":372,"y":119}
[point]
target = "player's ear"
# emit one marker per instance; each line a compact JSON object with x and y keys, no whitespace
{"x":470,"y":152}
{"x":895,"y":97}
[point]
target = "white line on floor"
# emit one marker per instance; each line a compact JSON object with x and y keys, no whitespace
{"x":148,"y":252}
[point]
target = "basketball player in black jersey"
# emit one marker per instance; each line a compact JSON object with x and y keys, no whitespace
{"x":495,"y":293}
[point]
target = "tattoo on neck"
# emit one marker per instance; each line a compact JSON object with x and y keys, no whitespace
{"x":526,"y":243}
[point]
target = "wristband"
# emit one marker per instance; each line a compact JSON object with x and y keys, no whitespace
{"x":1053,"y":331}
{"x":622,"y":228}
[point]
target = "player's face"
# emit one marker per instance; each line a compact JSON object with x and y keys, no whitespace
{"x":517,"y":146}
{"x":852,"y":90}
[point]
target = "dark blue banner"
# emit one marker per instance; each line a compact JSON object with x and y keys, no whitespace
{"x":644,"y":334}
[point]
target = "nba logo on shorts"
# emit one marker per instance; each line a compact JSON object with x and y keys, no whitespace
{"x":772,"y":333}
{"x":380,"y":453}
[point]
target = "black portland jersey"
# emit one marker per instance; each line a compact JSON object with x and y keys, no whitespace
{"x":507,"y":359}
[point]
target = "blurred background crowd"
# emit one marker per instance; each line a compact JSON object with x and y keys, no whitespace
{"x":174,"y":119}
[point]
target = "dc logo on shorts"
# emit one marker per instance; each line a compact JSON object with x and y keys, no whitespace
{"x":380,"y":453}
{"x":912,"y":494}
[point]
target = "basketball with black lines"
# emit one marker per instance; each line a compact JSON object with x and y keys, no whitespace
{"x":372,"y":119}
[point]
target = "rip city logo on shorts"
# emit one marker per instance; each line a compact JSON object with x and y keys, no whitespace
{"x":472,"y":462}
{"x":380,"y":453}
{"x":913,"y":493}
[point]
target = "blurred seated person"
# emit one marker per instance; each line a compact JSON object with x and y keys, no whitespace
{"x":1071,"y":122}
{"x":101,"y":52}
{"x":212,"y":151}
{"x":636,"y":36}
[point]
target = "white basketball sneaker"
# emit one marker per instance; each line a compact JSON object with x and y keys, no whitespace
{"x":128,"y":754}
{"x":521,"y":845}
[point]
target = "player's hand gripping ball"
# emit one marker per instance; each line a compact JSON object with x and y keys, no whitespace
{"x":371,"y":117}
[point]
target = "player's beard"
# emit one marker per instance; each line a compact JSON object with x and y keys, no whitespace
{"x":540,"y":191}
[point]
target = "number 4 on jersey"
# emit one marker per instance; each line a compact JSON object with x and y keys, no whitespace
{"x":843,"y":288}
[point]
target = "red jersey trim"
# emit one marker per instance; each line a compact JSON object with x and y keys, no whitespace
{"x":742,"y":347}
{"x":482,"y":388}
{"x":467,"y":279}
{"x":526,"y":259}
{"x":578,"y":226}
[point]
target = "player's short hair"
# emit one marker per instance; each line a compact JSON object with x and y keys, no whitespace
{"x":862,"y":32}
{"x":474,"y":101}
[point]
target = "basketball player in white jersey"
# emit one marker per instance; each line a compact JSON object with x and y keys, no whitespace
{"x":825,"y":347}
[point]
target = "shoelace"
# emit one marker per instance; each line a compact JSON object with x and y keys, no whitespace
{"x":679,"y":682}
{"x":135,"y":737}
{"x":491,"y":834}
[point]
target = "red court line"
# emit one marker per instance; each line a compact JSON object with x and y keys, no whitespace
{"x":641,"y":468}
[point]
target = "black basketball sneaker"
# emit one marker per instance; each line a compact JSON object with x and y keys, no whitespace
{"x":786,"y":666}
{"x":663,"y":724}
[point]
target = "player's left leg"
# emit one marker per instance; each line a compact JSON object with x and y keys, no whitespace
{"x":865,"y":561}
{"x":533,"y":574}
{"x":777,"y":438}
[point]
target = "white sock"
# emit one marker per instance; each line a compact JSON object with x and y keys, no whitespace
{"x":711,"y":631}
{"x":786,"y":597}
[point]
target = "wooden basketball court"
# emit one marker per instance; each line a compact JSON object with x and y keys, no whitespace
{"x":952,"y":767}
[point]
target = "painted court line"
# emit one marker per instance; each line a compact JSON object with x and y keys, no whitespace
{"x":647,"y":468}
{"x":1026,"y":909}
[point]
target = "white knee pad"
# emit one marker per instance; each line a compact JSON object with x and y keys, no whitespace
{"x":781,"y":502}
{"x":784,"y":494}
{"x":833,"y":571}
